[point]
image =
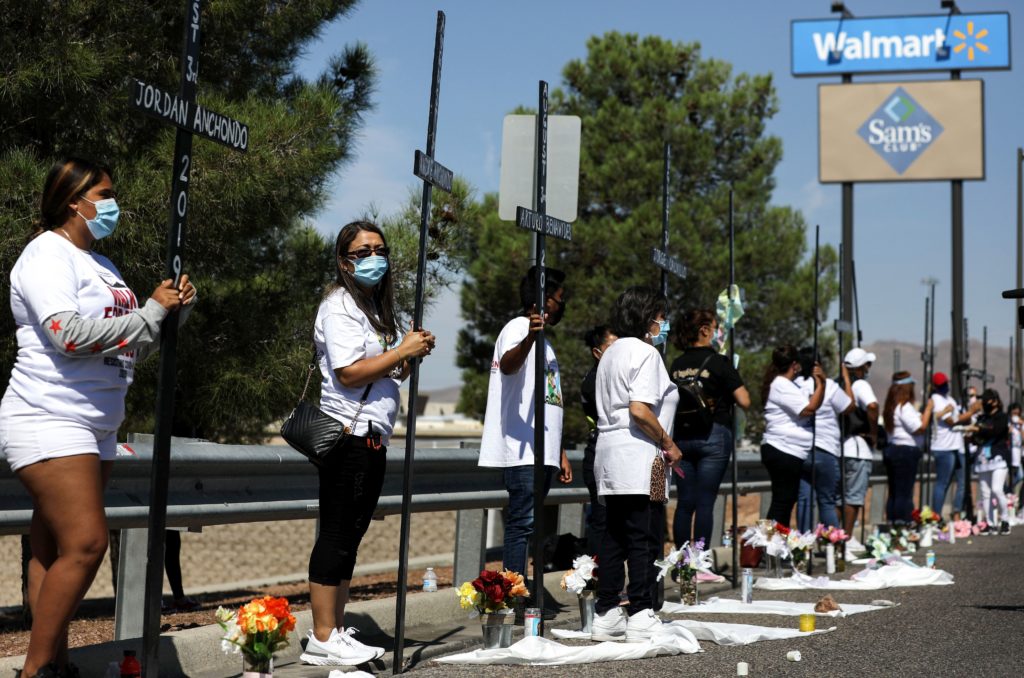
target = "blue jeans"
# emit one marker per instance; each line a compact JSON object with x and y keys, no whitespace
{"x":519,"y":516}
{"x":826,"y":483}
{"x":704,"y":464}
{"x":945,"y":467}
{"x":901,"y":468}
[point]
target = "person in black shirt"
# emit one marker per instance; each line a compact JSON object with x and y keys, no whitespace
{"x":705,"y":440}
{"x":598,"y":340}
{"x":991,"y":434}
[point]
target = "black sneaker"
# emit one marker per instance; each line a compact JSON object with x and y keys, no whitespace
{"x":1004,"y":528}
{"x":987,"y":530}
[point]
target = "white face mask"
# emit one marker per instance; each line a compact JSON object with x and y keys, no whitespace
{"x":1015,"y":418}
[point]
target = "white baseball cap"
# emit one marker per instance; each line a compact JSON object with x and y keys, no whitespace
{"x":858,"y":357}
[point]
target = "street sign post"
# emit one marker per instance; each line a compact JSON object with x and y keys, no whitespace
{"x":190,"y":118}
{"x":433,"y":174}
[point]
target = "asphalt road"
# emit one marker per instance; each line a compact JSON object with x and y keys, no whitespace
{"x":973,"y":628}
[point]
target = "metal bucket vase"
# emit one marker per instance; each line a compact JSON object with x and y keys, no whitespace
{"x":587,"y":599}
{"x":497,"y":629}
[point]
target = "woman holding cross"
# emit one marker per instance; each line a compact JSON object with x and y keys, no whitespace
{"x":80,"y":332}
{"x":363,"y":358}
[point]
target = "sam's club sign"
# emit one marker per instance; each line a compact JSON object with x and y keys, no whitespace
{"x":939,"y":42}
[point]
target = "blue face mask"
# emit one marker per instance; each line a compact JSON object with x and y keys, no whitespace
{"x":105,"y":221}
{"x":662,"y":336}
{"x":369,"y":270}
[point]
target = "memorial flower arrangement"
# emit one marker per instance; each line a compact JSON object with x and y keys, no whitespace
{"x":799,"y":545}
{"x":830,"y":535}
{"x":684,"y":563}
{"x":492,"y":591}
{"x":771,"y":536}
{"x":962,"y":528}
{"x":259,"y":630}
{"x":582,"y":577}
{"x":925,"y":517}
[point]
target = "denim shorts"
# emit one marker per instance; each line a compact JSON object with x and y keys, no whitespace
{"x":857,"y":474}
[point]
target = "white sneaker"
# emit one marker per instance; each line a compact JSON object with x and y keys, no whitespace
{"x":347,"y":635}
{"x":609,"y":626}
{"x":641,"y":626}
{"x":334,"y":652}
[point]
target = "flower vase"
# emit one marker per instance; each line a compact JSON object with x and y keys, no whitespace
{"x":778,"y":567}
{"x":841,"y":557}
{"x":800,"y":565}
{"x":497,"y":629}
{"x":253,"y":667}
{"x":688,"y":591}
{"x":926,"y":537}
{"x":587,"y":599}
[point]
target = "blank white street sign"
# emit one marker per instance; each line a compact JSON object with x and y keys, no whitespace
{"x":518,"y":165}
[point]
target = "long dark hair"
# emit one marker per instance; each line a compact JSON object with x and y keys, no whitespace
{"x":897,"y":395}
{"x":377,"y":303}
{"x":67,"y":179}
{"x":782,"y":358}
{"x":635,"y":310}
{"x":690,"y":323}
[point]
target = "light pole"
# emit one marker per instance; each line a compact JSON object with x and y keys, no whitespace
{"x":1019,"y":355}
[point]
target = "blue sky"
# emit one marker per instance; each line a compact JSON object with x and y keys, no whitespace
{"x":495,"y":52}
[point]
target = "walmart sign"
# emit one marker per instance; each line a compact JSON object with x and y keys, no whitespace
{"x":939,"y":42}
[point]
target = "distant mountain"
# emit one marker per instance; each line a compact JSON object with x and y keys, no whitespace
{"x":909,"y":358}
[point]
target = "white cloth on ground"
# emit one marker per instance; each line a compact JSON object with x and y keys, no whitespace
{"x":538,"y":651}
{"x":716,"y":605}
{"x":884,"y":577}
{"x":720,"y":633}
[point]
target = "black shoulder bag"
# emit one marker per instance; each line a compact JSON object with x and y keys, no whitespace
{"x":310,"y":431}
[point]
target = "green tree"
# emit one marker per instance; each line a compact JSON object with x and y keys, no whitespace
{"x":634,"y":95}
{"x":257,"y":263}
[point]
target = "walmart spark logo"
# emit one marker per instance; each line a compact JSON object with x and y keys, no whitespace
{"x":970,"y":42}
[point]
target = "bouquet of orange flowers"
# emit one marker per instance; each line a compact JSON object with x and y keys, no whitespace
{"x":261,"y":629}
{"x":492,"y":591}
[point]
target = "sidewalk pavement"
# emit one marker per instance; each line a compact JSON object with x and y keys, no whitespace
{"x":435,"y":625}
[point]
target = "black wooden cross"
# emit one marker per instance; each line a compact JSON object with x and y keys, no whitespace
{"x":190,"y":118}
{"x":543,"y":225}
{"x":433,"y":174}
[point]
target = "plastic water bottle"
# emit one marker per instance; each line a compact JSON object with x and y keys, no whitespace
{"x":429,"y":581}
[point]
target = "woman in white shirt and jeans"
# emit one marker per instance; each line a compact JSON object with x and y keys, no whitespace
{"x":636,"y":403}
{"x":906,"y":428}
{"x":787,"y":440}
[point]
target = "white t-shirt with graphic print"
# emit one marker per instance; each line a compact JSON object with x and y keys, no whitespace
{"x":508,"y":419}
{"x":343,"y":335}
{"x":52,"y":276}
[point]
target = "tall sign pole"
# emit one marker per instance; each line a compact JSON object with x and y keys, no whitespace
{"x":189,"y":117}
{"x":732,"y":361}
{"x":433,"y":174}
{"x":542,"y":224}
{"x":666,"y":175}
{"x":814,"y":417}
{"x":846,"y":307}
{"x":1019,"y":355}
{"x":957,"y":221}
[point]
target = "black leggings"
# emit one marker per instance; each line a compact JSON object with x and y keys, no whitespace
{"x":784,"y":470}
{"x":351,"y":479}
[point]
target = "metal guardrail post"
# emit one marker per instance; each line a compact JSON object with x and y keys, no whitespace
{"x":766,"y":502}
{"x":470,"y":534}
{"x":131,"y":584}
{"x":571,"y":520}
{"x":876,"y":510}
{"x":718,"y":522}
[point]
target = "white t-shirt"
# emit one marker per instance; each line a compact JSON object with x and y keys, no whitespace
{"x":508,"y":419}
{"x":1015,"y":443}
{"x":856,"y":447}
{"x":826,"y":419}
{"x":784,"y":428}
{"x":906,"y":420}
{"x":343,"y":335}
{"x":630,"y":370}
{"x":52,"y":276}
{"x":943,"y":435}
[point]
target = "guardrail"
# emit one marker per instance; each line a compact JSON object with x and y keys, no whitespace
{"x":213,"y":484}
